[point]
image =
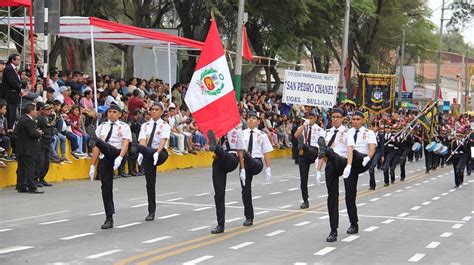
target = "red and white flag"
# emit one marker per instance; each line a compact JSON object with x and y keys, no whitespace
{"x":210,"y":96}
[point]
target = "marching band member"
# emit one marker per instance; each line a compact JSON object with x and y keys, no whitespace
{"x":391,"y":154}
{"x":379,"y":152}
{"x":459,"y":154}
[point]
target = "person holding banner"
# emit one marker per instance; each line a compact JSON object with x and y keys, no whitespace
{"x":258,"y":149}
{"x":308,"y":153}
{"x":228,"y":155}
{"x":152,"y":149}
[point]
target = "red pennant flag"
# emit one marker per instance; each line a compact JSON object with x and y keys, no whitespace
{"x":404,"y":85}
{"x":346,"y":70}
{"x":440,"y":94}
{"x":246,"y":52}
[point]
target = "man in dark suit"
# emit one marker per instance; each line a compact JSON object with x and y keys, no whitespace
{"x":28,"y":146}
{"x":11,"y":88}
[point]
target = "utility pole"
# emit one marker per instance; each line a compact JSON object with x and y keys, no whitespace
{"x":400,"y":77}
{"x":461,"y":77}
{"x":345,"y":39}
{"x":440,"y":44}
{"x":238,"y":58}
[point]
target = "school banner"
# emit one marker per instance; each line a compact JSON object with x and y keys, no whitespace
{"x":377,"y":92}
{"x":308,"y":88}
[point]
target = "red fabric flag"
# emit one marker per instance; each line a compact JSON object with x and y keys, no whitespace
{"x":440,"y":93}
{"x":246,"y":52}
{"x":404,"y":85}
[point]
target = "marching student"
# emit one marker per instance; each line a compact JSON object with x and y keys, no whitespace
{"x":111,"y":138}
{"x":152,"y":147}
{"x":258,"y":149}
{"x":459,"y":152}
{"x":391,"y":154}
{"x":228,"y":155}
{"x":308,"y":153}
{"x":379,"y":152}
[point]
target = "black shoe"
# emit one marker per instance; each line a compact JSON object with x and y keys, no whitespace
{"x":35,"y":191}
{"x":393,"y":181}
{"x":304,"y":205}
{"x":212,"y":140}
{"x":332,"y":236}
{"x":133,"y":174}
{"x":403,"y":179}
{"x":353,"y":229}
{"x":386,"y":185}
{"x":109,"y":223}
{"x":248,"y":222}
{"x":372,"y":188}
{"x":150,"y":217}
{"x":22,"y":190}
{"x":39,"y":184}
{"x":322,"y":147}
{"x":427,"y":171}
{"x":46,"y":184}
{"x":124,"y":175}
{"x":218,"y":229}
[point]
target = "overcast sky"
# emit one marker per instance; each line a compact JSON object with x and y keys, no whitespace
{"x":435,"y":5}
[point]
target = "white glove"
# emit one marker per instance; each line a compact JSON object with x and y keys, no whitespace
{"x":155,"y":158}
{"x":92,"y":172}
{"x":140,"y":159}
{"x":242,"y":176}
{"x":306,"y":122}
{"x":347,"y":171}
{"x":268,"y":173}
{"x":318,"y":178}
{"x":365,"y":161}
{"x":117,"y":162}
{"x":101,"y":156}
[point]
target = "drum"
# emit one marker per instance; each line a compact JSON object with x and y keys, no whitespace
{"x":438,"y":148}
{"x":416,"y":147}
{"x":444,"y":151}
{"x":430,"y":147}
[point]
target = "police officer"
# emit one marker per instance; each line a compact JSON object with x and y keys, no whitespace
{"x":153,"y":138}
{"x":379,"y":152}
{"x":361,"y":144}
{"x":333,"y":151}
{"x":258,"y":148}
{"x":45,"y":123}
{"x":459,"y":152}
{"x":391,"y":155}
{"x":111,"y":138}
{"x":228,"y":155}
{"x":308,"y":152}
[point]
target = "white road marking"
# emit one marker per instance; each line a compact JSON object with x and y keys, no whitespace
{"x":418,"y":169}
{"x":388,"y":221}
{"x":426,"y":181}
{"x":374,"y":199}
{"x":300,"y":263}
{"x":411,"y":171}
{"x":415,"y":208}
{"x":13,"y":249}
{"x":444,"y":194}
{"x":322,"y":196}
{"x":324,"y":217}
{"x":34,"y":216}
{"x":435,"y":178}
{"x":105,"y":253}
{"x":451,"y":190}
{"x":229,"y":189}
{"x":409,"y":187}
{"x":435,"y":198}
{"x":446,"y":173}
{"x":130,"y":224}
{"x":202,"y":194}
{"x":387,"y":195}
{"x":76,"y":236}
{"x":433,"y":244}
{"x":452,"y":171}
{"x":417,"y":184}
{"x":233,"y":220}
{"x":361,"y":204}
{"x":94,"y":214}
{"x":276,"y":192}
{"x":198,"y":228}
{"x":311,"y":185}
{"x":302,"y":223}
{"x":256,"y":197}
{"x":5,"y":230}
{"x":286,"y":206}
{"x":262,"y":212}
{"x":292,"y":189}
{"x":196,"y":261}
{"x":343,"y":211}
{"x":202,"y":209}
{"x":370,"y":229}
{"x":156,"y":239}
{"x":274,"y":233}
{"x":175,"y":199}
{"x":54,"y":222}
{"x":283,"y":180}
{"x":169,"y":216}
{"x":399,"y":191}
{"x":417,"y":257}
{"x":457,"y":226}
{"x":230,"y":203}
{"x":239,"y":246}
{"x":472,"y":180}
{"x":446,"y":234}
{"x":324,"y":251}
{"x":426,"y":203}
{"x":467,"y":218}
{"x":350,"y":238}
{"x":139,"y":205}
{"x":403,"y":214}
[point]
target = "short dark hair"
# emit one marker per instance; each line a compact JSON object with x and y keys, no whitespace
{"x":3,"y":103}
{"x":136,"y":92}
{"x":29,"y":108}
{"x":12,"y":57}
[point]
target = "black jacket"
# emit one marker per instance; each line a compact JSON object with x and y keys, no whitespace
{"x":46,"y":125}
{"x":11,"y":85}
{"x":27,"y":137}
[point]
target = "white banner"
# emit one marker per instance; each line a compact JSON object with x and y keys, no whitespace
{"x":308,"y":88}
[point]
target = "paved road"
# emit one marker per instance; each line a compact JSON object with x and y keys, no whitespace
{"x":421,"y":220}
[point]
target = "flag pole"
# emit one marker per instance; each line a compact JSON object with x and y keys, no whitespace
{"x":238,"y":56}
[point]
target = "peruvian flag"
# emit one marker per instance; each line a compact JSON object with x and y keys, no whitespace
{"x":210,"y":96}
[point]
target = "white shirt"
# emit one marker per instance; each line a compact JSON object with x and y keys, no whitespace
{"x":162,"y":131}
{"x":120,"y":131}
{"x":340,"y":142}
{"x":364,"y":138}
{"x":261,"y":143}
{"x":316,"y":132}
{"x":235,"y":140}
{"x":54,"y":85}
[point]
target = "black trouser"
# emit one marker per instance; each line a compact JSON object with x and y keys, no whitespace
{"x":410,"y":155}
{"x":25,"y":173}
{"x":459,"y":163}
{"x":391,"y":161}
{"x":42,"y":164}
{"x":11,"y":114}
{"x":419,"y":154}
{"x":310,"y":153}
{"x":223,"y":163}
{"x":434,"y":161}
{"x":334,"y":168}
{"x":403,"y":159}
{"x":428,"y":159}
{"x":350,"y":184}
{"x":373,"y":164}
{"x":106,"y":172}
{"x":253,"y":166}
{"x":150,"y":173}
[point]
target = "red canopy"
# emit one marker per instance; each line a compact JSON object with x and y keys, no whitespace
{"x":26,"y":3}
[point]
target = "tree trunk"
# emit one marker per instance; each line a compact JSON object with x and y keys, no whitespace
{"x":248,"y":77}
{"x":275,"y":75}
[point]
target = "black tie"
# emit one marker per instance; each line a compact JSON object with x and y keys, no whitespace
{"x":152,"y":135}
{"x":109,"y":134}
{"x":308,"y":140}
{"x":331,"y":141}
{"x":250,"y":146}
{"x":355,"y":136}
